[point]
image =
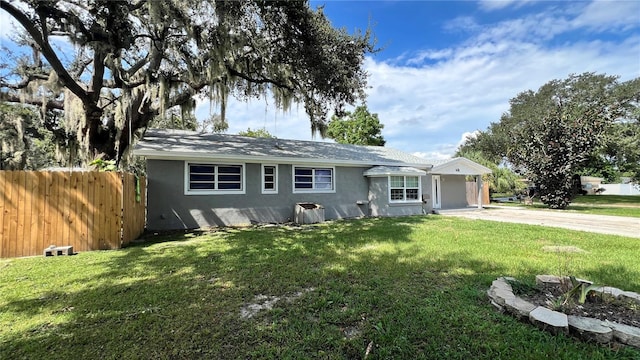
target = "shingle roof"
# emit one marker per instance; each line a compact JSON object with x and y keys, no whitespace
{"x":180,"y":144}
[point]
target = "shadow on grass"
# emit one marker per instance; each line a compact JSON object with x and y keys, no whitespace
{"x":364,"y":281}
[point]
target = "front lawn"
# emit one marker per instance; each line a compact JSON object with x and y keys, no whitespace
{"x":403,"y":288}
{"x":608,"y":200}
{"x":617,"y":205}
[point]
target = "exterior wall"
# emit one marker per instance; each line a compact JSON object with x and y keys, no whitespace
{"x":427,"y":192}
{"x":379,"y":200}
{"x":168,"y":207}
{"x":454,"y":194}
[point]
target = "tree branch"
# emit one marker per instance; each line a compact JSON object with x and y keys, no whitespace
{"x":263,"y":80}
{"x":50,"y":104}
{"x":46,"y":49}
{"x":24,"y":83}
{"x":98,"y":74}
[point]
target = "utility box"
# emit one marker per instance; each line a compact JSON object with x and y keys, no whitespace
{"x":309,"y":213}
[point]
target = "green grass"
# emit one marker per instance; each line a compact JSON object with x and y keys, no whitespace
{"x":608,"y":200}
{"x":412,"y":287}
{"x":616,"y":205}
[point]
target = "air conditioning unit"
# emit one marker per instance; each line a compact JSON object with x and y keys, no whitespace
{"x":309,"y":213}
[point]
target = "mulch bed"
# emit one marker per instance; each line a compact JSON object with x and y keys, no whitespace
{"x":598,"y":306}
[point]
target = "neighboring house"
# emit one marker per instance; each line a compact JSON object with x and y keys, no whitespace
{"x":200,"y":180}
{"x":590,"y":184}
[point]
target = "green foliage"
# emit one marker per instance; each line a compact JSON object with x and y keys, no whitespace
{"x":522,"y":288}
{"x":564,"y":129}
{"x":622,"y":149}
{"x":104,"y":165}
{"x":581,"y":289}
{"x":491,"y":144}
{"x":175,"y":119}
{"x":360,"y":128}
{"x":25,"y":144}
{"x":578,"y":290}
{"x":131,"y":63}
{"x":556,"y":129}
{"x":501,"y":180}
{"x":258,"y":133}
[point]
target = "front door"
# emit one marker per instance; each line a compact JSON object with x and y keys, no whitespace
{"x":436,"y":191}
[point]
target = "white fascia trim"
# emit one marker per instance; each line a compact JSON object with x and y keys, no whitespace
{"x":190,"y":156}
{"x":397,"y":173}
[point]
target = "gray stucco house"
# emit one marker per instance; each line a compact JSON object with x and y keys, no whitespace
{"x":201,"y":180}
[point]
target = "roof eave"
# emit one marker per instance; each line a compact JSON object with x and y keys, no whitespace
{"x":181,"y":156}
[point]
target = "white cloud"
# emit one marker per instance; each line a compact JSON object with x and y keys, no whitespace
{"x":605,"y":15}
{"x":428,"y":110}
{"x":433,"y":155}
{"x":491,"y":5}
{"x":468,"y":135}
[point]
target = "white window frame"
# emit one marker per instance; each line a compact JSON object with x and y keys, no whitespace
{"x":275,"y":179}
{"x":313,"y":181}
{"x":187,"y":182}
{"x":404,"y":189}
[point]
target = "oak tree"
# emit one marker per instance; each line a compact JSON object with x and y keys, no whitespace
{"x":114,"y":66}
{"x":553,"y":132}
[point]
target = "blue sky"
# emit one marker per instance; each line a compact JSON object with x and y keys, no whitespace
{"x":449,"y":68}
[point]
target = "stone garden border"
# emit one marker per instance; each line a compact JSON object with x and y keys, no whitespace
{"x":589,"y":329}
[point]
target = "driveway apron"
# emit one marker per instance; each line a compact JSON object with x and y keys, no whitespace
{"x":602,"y":224}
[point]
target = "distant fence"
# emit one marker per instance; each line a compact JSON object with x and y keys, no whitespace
{"x":87,"y":210}
{"x":472,"y":193}
{"x":621,"y":189}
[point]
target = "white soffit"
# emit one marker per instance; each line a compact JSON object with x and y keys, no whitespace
{"x":460,"y":166}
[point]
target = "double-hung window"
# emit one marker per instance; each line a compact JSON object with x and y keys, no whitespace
{"x":269,"y":179}
{"x":308,"y":179}
{"x":404,"y":188}
{"x":203,"y":178}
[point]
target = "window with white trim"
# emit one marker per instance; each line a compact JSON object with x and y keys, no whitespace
{"x":269,"y":179}
{"x":204,"y":178}
{"x":308,"y":179}
{"x":404,"y":188}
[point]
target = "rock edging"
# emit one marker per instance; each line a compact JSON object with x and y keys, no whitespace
{"x":502,"y":297}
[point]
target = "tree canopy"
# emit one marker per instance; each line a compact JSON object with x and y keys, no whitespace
{"x":258,"y":133}
{"x":501,"y":179}
{"x":559,"y":131}
{"x":115,"y":66}
{"x":359,"y":127}
{"x":24,"y":143}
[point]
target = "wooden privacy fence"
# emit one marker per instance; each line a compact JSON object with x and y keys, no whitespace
{"x":472,"y":193}
{"x":87,"y":210}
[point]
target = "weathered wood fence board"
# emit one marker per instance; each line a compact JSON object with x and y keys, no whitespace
{"x":88,"y":210}
{"x":472,"y":193}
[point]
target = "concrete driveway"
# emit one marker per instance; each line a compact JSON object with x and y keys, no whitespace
{"x":603,"y":224}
